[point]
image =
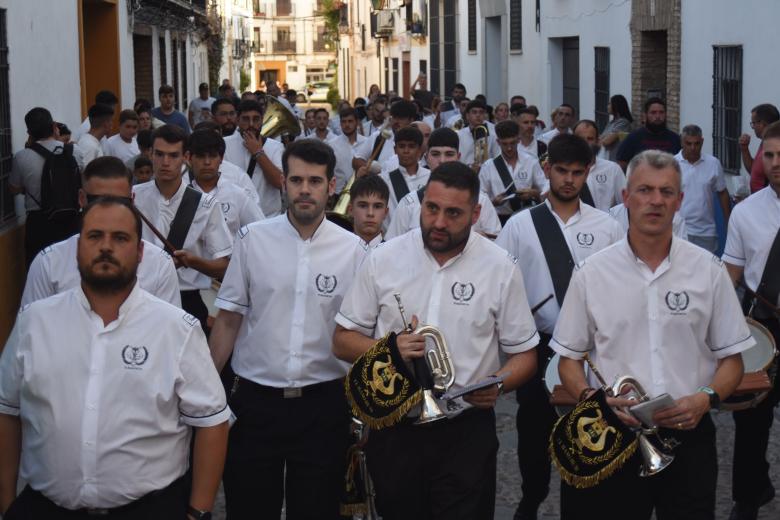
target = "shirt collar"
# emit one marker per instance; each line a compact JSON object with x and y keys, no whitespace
{"x":681,"y":158}
{"x":470,"y":244}
{"x":291,"y":229}
{"x":376,"y":241}
{"x":176,"y":196}
{"x":130,"y":302}
{"x":572,"y":220}
{"x":644,"y":268}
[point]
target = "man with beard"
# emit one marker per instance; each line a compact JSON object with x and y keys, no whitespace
{"x":100,"y":389}
{"x":223,"y":112}
{"x":55,"y":270}
{"x":548,"y":241}
{"x":605,"y":179}
{"x":471,"y":290}
{"x":450,"y":109}
{"x":283,"y":287}
{"x":259,"y":157}
{"x":652,"y":136}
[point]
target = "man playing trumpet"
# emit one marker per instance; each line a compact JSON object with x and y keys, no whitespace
{"x":661,"y":310}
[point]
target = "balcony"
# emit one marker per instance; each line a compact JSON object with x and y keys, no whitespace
{"x":285,"y":46}
{"x":273,"y":9}
{"x":323,"y":45}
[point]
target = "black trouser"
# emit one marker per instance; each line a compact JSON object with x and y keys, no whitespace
{"x":535,"y":419}
{"x":685,"y":490}
{"x":750,"y":471}
{"x":40,"y":232}
{"x":442,"y":470}
{"x":165,"y":504}
{"x":287,"y":448}
{"x":192,"y":302}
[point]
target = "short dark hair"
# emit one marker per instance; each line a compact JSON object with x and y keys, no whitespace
{"x":111,"y":200}
{"x":128,"y":115}
{"x":171,"y":134}
{"x":567,"y":105}
{"x":322,"y":110}
{"x":250,"y":105}
{"x":99,"y":114}
{"x":457,"y":175}
{"x":409,"y":134}
{"x":653,"y":101}
{"x":291,"y":93}
{"x":142,"y":105}
{"x":766,"y":112}
{"x":144,"y":139}
{"x":460,"y":86}
{"x":209,"y":125}
{"x":222,"y":101}
{"x":106,"y":167}
{"x":772,"y":131}
{"x":507,"y":129}
{"x":63,"y":129}
{"x":403,"y":109}
{"x":370,"y":185}
{"x":348,"y":112}
{"x":142,"y":161}
{"x":444,"y":137}
{"x":569,"y":148}
{"x":476,"y":103}
{"x":518,"y":109}
{"x":40,"y":124}
{"x":203,"y":86}
{"x":586,"y":122}
{"x":517,"y":96}
{"x":309,"y":111}
{"x":204,"y":141}
{"x":165,"y":89}
{"x":311,"y":151}
{"x":106,"y":97}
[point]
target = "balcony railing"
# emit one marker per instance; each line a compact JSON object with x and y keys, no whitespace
{"x":287,"y":46}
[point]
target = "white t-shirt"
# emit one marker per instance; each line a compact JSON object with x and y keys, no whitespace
{"x":527,"y":173}
{"x":531,"y":149}
{"x":232,"y":173}
{"x":118,"y":147}
{"x":548,"y":136}
{"x":466,"y":145}
{"x":699,"y":182}
{"x":197,"y":106}
{"x":88,"y":148}
{"x":667,"y":328}
{"x":235,"y":204}
{"x":606,"y":182}
{"x":236,"y":152}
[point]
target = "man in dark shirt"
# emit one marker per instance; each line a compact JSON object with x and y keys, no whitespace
{"x":652,"y":136}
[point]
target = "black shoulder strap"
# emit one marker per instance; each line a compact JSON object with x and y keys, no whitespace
{"x":399,"y":184}
{"x":377,"y":143}
{"x":556,"y":250}
{"x":421,"y":194}
{"x":541,"y":148}
{"x":515,"y":203}
{"x":250,"y":169}
{"x":180,"y":225}
{"x":769,"y":287}
{"x":586,"y":196}
{"x":40,"y":150}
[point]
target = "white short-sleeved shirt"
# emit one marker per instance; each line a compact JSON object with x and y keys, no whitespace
{"x":477,"y":299}
{"x":236,"y":153}
{"x":366,"y":147}
{"x":231,"y":172}
{"x":667,"y":328}
{"x":413,"y":183}
{"x":115,"y":146}
{"x":106,"y":410}
{"x":208,"y":236}
{"x":369,"y":129}
{"x":586,"y":232}
{"x":235,"y":204}
{"x":531,"y":149}
{"x":197,"y":106}
{"x":620,"y":213}
{"x":55,"y":270}
{"x":548,"y":136}
{"x":527,"y":173}
{"x":88,"y":148}
{"x":288,"y":291}
{"x":407,"y":217}
{"x":699,"y":182}
{"x":606,"y":181}
{"x":466,"y":145}
{"x":27,"y":168}
{"x":753,"y":225}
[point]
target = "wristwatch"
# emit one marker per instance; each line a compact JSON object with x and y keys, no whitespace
{"x":713,"y":395}
{"x":197,"y":514}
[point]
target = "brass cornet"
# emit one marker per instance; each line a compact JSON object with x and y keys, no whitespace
{"x":481,"y":152}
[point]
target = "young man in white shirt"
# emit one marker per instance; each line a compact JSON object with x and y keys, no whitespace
{"x":123,"y":145}
{"x":402,"y":113}
{"x":261,"y":158}
{"x":200,"y":107}
{"x":444,"y":273}
{"x":662,"y":311}
{"x":511,"y":174}
{"x":526,"y":120}
{"x":348,"y":119}
{"x":55,"y":269}
{"x":475,"y":117}
{"x":100,"y":121}
{"x":104,"y":97}
{"x":751,"y":254}
{"x":60,"y":428}
{"x":322,"y":121}
{"x":282,"y":290}
{"x":702,"y":176}
{"x":564,"y":118}
{"x":223,"y":113}
{"x":548,"y":241}
{"x":442,"y":148}
{"x":368,"y":208}
{"x":200,"y":238}
{"x":205,"y":150}
{"x":605,"y":179}
{"x":409,"y":176}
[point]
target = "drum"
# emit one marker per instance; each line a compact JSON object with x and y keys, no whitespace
{"x":559,"y":397}
{"x":759,"y":370}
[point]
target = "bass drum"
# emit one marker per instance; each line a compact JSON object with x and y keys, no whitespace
{"x":759,"y":362}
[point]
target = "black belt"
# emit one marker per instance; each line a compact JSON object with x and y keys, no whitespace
{"x":317,"y":389}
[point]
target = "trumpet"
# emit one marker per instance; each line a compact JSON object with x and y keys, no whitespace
{"x":434,"y":372}
{"x":480,"y":135}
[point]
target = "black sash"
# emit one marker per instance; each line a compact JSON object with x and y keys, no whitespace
{"x":400,"y":187}
{"x":556,"y":250}
{"x":515,"y":203}
{"x":421,"y":194}
{"x":250,"y":170}
{"x":180,"y":225}
{"x":769,"y":287}
{"x":586,"y":197}
{"x":377,"y":143}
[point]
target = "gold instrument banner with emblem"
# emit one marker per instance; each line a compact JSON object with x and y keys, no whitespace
{"x":380,"y":387}
{"x":590,"y":443}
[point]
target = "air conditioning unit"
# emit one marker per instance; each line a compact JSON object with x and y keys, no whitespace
{"x":385,"y":23}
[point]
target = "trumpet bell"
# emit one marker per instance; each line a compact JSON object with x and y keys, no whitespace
{"x":430,"y":409}
{"x":277,"y":120}
{"x":653,"y":459}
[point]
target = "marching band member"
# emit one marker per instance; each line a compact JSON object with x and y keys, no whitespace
{"x":445,"y":274}
{"x":284,"y":285}
{"x":606,"y":179}
{"x":402,"y":113}
{"x":476,"y":112}
{"x":409,"y":176}
{"x":368,"y":207}
{"x":663,"y":311}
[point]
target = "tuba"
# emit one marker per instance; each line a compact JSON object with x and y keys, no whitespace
{"x":434,"y":372}
{"x":480,"y":136}
{"x":278,"y":121}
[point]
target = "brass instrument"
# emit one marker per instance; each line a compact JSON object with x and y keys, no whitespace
{"x":458,"y":124}
{"x":278,"y":121}
{"x":654,"y":459}
{"x":437,"y":363}
{"x":481,"y":152}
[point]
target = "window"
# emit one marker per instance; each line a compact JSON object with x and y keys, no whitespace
{"x":163,"y":67}
{"x":601,"y":80}
{"x":283,"y":8}
{"x":387,"y":74}
{"x":6,"y":155}
{"x":472,"y":25}
{"x":727,"y":106}
{"x":423,"y":67}
{"x":515,"y":25}
{"x":449,"y":44}
{"x":434,"y":83}
{"x":395,"y":74}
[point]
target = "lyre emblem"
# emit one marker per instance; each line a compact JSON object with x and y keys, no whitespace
{"x":384,"y":377}
{"x":592,"y":432}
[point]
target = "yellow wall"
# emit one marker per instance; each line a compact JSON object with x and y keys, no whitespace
{"x":11,"y":278}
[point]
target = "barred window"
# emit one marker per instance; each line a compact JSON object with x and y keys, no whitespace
{"x":601,"y":77}
{"x":727,"y":106}
{"x":6,"y":155}
{"x":515,"y":25}
{"x":472,"y":25}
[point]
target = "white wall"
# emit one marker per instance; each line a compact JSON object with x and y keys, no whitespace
{"x":126,"y":62}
